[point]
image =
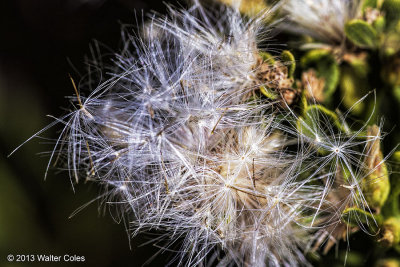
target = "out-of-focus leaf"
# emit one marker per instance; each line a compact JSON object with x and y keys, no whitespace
{"x":359,"y":64}
{"x":370,"y":3}
{"x":379,"y":24}
{"x":361,"y":33}
{"x":391,"y":232}
{"x":396,"y":93}
{"x":391,"y":71}
{"x":351,"y":88}
{"x":392,"y":10}
{"x":391,"y":262}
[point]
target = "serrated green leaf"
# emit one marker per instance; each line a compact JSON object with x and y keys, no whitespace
{"x":289,"y":60}
{"x":361,"y":33}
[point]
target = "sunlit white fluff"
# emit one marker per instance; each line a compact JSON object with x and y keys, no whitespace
{"x":339,"y":165}
{"x":183,"y":144}
{"x":323,"y":20}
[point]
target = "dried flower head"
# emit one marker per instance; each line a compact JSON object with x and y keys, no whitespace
{"x":184,"y":143}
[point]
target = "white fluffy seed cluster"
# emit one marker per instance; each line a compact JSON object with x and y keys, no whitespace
{"x":323,"y":20}
{"x":185,"y":145}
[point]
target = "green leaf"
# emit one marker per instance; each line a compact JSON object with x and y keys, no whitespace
{"x":317,"y":121}
{"x":314,"y":55}
{"x":289,"y":61}
{"x":376,"y":187}
{"x":360,"y":67}
{"x":392,"y":10}
{"x":390,"y":72}
{"x":355,"y":216}
{"x":361,"y":33}
{"x":370,"y":3}
{"x":396,"y":93}
{"x":351,"y":87}
{"x":388,"y":262}
{"x":325,"y":66}
{"x":379,"y":24}
{"x":396,"y":156}
{"x":303,"y":101}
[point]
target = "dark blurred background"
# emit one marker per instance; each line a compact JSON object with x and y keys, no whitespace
{"x":41,"y":42}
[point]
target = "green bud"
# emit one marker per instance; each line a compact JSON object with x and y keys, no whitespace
{"x":361,"y":33}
